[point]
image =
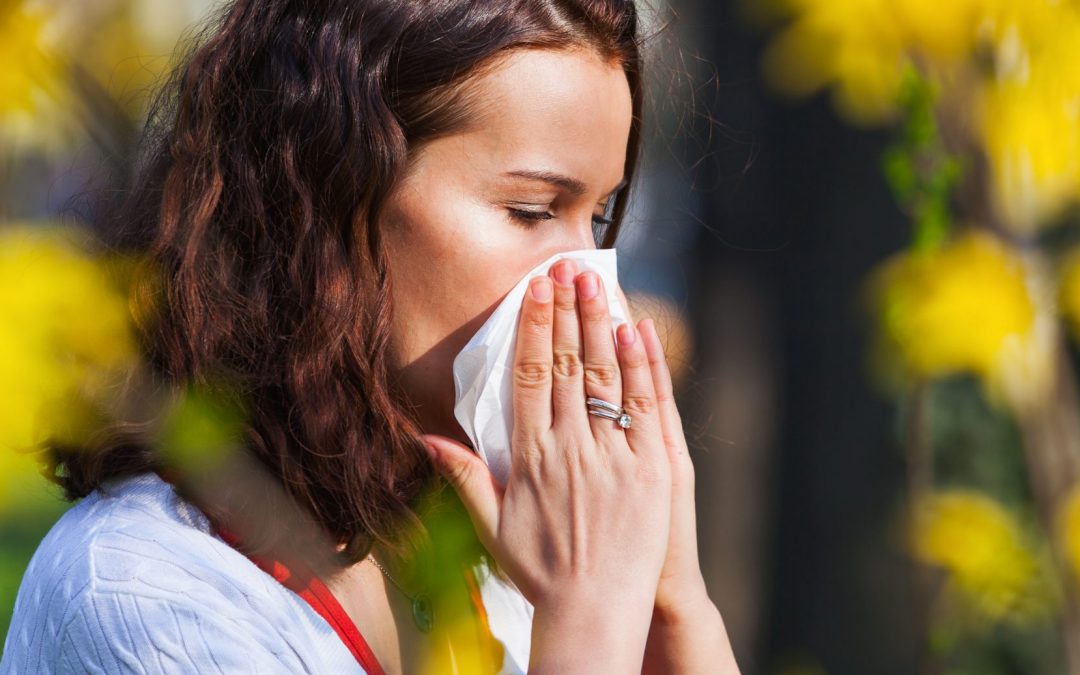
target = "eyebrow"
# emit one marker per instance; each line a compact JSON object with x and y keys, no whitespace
{"x":571,"y":185}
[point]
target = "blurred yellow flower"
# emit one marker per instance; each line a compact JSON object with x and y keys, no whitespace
{"x":981,"y":546}
{"x":941,"y":34}
{"x":862,"y":47}
{"x":65,"y":337}
{"x":33,"y":86}
{"x":1069,"y":290}
{"x":967,"y":307}
{"x":1068,"y":524}
{"x":1028,"y":116}
{"x":1031,"y":134}
{"x":461,"y":640}
{"x":852,"y":45}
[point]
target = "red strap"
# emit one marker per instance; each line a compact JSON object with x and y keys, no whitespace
{"x":309,"y":587}
{"x":313,"y":591}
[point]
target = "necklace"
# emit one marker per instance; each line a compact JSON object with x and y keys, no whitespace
{"x":423,"y":613}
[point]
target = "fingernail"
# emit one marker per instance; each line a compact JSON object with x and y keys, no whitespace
{"x":564,"y":272}
{"x":541,"y":289}
{"x":626,"y":334}
{"x":430,"y":450}
{"x":588,"y":285}
{"x":650,"y":326}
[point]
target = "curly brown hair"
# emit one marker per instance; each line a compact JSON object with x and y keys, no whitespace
{"x":265,"y":161}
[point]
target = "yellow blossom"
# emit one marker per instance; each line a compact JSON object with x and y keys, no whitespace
{"x":1068,"y":526}
{"x":1069,"y":290}
{"x":33,"y":85}
{"x":1028,"y":118}
{"x":967,"y":307}
{"x":980,"y":544}
{"x":942,"y":34}
{"x":852,"y":45}
{"x":65,"y":337}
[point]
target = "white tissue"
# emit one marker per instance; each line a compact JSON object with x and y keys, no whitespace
{"x":483,"y":370}
{"x":483,"y":377}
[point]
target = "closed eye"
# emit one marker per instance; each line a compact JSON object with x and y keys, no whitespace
{"x":530,"y":218}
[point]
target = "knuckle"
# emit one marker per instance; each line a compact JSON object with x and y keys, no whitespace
{"x":633,"y":358}
{"x":538,"y":323}
{"x":532,"y":374}
{"x":565,"y":302}
{"x":593,"y":312}
{"x":527,"y":449}
{"x":567,"y":363}
{"x":664,"y":395}
{"x":642,"y":405}
{"x":460,"y":473}
{"x":603,"y":375}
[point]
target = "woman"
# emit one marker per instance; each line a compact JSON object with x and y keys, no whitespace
{"x":338,"y":196}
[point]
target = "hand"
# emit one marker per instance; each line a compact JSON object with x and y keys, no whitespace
{"x":682,"y":585}
{"x":582,"y":524}
{"x":687,"y":634}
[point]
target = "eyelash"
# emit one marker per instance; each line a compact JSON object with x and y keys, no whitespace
{"x":532,"y":217}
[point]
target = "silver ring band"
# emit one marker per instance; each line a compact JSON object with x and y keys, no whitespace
{"x":601,"y":403}
{"x":610,"y":411}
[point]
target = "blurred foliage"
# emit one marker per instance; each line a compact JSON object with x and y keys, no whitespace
{"x":76,"y":76}
{"x":1010,"y":68}
{"x":983,"y":100}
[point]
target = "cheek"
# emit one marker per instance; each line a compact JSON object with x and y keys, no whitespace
{"x":451,"y":266}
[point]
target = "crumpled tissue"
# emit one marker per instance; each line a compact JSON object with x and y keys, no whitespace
{"x":483,"y":370}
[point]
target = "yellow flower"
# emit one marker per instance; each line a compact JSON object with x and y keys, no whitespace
{"x":852,"y":45}
{"x":33,"y":85}
{"x":1031,"y":134}
{"x":967,"y":307}
{"x":981,"y":546}
{"x":941,"y":33}
{"x":1068,"y":526}
{"x":1069,"y":290}
{"x":65,"y":337}
{"x":1028,"y":119}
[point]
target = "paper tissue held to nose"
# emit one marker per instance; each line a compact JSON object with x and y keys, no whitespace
{"x":483,"y":370}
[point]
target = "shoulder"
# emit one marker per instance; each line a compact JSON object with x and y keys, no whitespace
{"x":133,"y":572}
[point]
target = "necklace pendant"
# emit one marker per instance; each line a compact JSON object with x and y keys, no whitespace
{"x":423,"y":613}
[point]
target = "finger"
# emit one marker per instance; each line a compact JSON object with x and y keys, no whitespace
{"x":639,"y":397}
{"x":532,"y":363}
{"x":670,"y":420}
{"x":472,"y":481}
{"x":602,"y":377}
{"x":568,"y":386}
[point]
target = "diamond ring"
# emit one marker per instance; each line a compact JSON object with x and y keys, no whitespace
{"x":608,"y":410}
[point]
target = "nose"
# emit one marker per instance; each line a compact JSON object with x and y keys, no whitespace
{"x":582,"y":235}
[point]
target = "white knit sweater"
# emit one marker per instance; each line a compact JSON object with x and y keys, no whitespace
{"x":132,"y":580}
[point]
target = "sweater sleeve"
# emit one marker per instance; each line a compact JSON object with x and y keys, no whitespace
{"x":130,"y":633}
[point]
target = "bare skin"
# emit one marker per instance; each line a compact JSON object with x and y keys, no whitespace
{"x":596,"y":525}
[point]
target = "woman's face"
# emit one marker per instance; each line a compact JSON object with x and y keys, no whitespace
{"x":478,"y":209}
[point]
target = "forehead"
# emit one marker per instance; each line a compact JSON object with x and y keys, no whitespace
{"x":565,"y":111}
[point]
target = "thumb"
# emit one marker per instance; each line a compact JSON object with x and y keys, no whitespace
{"x":472,"y":481}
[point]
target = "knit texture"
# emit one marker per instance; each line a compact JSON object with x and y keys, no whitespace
{"x":132,"y":580}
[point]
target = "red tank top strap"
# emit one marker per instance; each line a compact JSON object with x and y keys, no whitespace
{"x":314,"y":592}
